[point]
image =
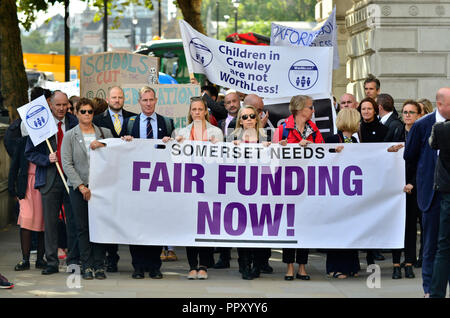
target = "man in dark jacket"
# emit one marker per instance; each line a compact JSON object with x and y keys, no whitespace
{"x":389,"y":118}
{"x":440,"y":140}
{"x":51,"y":186}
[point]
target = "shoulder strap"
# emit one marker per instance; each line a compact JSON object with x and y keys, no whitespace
{"x":285,"y":132}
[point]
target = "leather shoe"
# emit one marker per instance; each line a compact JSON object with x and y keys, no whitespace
{"x":266,"y":269}
{"x":287,"y":277}
{"x":22,"y":266}
{"x":41,"y":264}
{"x":111,"y":267}
{"x":222,"y":264}
{"x":156,"y":274}
{"x":409,"y":273}
{"x":137,"y":274}
{"x":99,"y":274}
{"x":50,"y":270}
{"x":397,"y":272}
{"x":378,"y":256}
{"x":418,"y":264}
{"x":88,"y":274}
{"x":255,"y":272}
{"x":302,"y":277}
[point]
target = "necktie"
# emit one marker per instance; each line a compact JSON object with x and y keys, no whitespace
{"x":60,"y":136}
{"x":149,"y":129}
{"x":117,"y":125}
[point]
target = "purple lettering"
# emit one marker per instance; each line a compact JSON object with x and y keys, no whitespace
{"x":347,"y":181}
{"x":274,"y":181}
{"x":190,"y":177}
{"x":204,"y":214}
{"x":312,"y":180}
{"x":160,"y":170}
{"x":253,"y":180}
{"x":138,"y":175}
{"x":290,"y":217}
{"x":177,"y":177}
{"x":333,"y":183}
{"x":224,"y":179}
{"x":288,"y":186}
{"x":273,"y":225}
{"x":228,"y":218}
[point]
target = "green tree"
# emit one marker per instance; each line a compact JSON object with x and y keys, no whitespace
{"x":13,"y":79}
{"x":33,"y":43}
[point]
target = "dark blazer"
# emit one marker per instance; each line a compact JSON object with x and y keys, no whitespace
{"x":440,"y":139}
{"x":18,"y":171}
{"x":395,"y":131}
{"x":419,"y":153}
{"x":104,"y":120}
{"x":217,"y":108}
{"x":163,"y":131}
{"x":46,"y":171}
{"x":221,"y":123}
{"x":338,"y":139}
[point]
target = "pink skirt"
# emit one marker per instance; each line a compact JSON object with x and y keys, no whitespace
{"x":31,"y":216}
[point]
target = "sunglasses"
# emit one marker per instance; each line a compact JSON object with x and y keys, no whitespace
{"x":409,"y":112}
{"x":245,"y":117}
{"x":83,"y":111}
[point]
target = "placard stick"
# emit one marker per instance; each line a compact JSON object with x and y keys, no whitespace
{"x":57,"y":166}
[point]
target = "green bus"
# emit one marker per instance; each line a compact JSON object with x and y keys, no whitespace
{"x":172,"y":58}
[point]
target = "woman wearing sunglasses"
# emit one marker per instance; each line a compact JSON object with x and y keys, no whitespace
{"x":298,"y":128}
{"x":75,"y":150}
{"x":199,"y":129}
{"x":248,"y":130}
{"x":411,"y":111}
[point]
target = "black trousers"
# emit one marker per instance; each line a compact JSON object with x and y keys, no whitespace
{"x":249,"y":256}
{"x":111,"y":253}
{"x":202,"y":255}
{"x":145,"y":258}
{"x":295,"y":255}
{"x":412,"y":210}
{"x":92,"y":255}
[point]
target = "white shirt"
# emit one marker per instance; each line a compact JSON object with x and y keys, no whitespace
{"x":384,"y":119}
{"x":143,"y":125}
{"x":439,"y":117}
{"x":227,"y":122}
{"x":63,"y":126}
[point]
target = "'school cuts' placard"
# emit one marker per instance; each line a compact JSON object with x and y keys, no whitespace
{"x":247,"y":195}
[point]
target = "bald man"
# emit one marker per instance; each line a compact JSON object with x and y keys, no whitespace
{"x":232,"y":105}
{"x":348,"y":101}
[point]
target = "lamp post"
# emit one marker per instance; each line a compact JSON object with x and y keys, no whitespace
{"x":217,"y":15}
{"x":236,"y":4}
{"x":134,"y":22}
{"x":105,"y":25}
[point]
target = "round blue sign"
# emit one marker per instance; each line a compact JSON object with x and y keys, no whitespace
{"x":200,"y":52}
{"x":37,"y":117}
{"x":303,"y":74}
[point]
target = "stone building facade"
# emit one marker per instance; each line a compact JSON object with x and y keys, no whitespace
{"x":406,"y":44}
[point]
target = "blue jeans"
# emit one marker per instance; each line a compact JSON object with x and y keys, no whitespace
{"x":441,"y":270}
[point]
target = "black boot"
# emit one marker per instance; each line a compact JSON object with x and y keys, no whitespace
{"x":397,"y":273}
{"x":409,"y":273}
{"x":247,"y":273}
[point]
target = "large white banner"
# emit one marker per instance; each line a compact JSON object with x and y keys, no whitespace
{"x":38,"y":120}
{"x":201,"y":194}
{"x":325,"y":34}
{"x":268,"y":71}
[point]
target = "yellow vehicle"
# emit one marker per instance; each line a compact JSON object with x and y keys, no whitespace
{"x":53,"y":63}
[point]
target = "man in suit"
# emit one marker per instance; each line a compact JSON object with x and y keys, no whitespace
{"x":348,"y":101}
{"x":372,"y":87}
{"x":115,"y":119}
{"x":419,"y":152}
{"x":148,"y":124}
{"x":51,"y":186}
{"x":389,"y":118}
{"x":440,"y":140}
{"x":232,"y":105}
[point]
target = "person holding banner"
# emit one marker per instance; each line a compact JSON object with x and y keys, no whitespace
{"x":198,"y":129}
{"x":75,"y":160}
{"x":371,"y":129}
{"x":148,"y":125}
{"x":52,"y":186}
{"x":249,"y":130}
{"x":343,"y":263}
{"x":298,"y":128}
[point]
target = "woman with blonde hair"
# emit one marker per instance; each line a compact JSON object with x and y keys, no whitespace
{"x":426,"y":106}
{"x":342,"y":263}
{"x":247,"y":131}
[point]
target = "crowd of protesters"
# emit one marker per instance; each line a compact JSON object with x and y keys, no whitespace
{"x":81,"y":122}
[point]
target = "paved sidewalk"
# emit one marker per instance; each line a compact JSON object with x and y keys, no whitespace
{"x":222,"y":283}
